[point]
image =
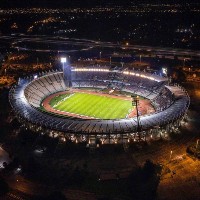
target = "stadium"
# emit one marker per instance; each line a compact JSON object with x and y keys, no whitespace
{"x":99,"y":104}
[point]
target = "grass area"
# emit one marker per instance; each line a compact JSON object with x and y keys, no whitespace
{"x":58,"y":99}
{"x":109,"y":189}
{"x":93,"y":106}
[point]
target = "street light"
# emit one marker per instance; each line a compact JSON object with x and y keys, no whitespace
{"x":197,"y":143}
{"x":140,"y":58}
{"x":110,"y":60}
{"x":100,"y":55}
{"x":170,"y":155}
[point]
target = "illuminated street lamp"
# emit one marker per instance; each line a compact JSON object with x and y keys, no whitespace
{"x":100,"y":55}
{"x":170,"y":155}
{"x":140,"y":58}
{"x":197,"y":143}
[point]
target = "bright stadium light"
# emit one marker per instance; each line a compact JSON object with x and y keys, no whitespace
{"x":35,"y":76}
{"x":164,"y":70}
{"x":63,"y":59}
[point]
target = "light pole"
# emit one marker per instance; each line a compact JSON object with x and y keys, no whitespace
{"x":170,"y":157}
{"x":184,"y":62}
{"x":135,"y":102}
{"x":110,"y":60}
{"x":63,"y":61}
{"x":197,"y":143}
{"x":140,"y":58}
{"x":100,"y":55}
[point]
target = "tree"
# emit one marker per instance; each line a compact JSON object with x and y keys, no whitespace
{"x":143,"y":181}
{"x":4,"y":188}
{"x":57,"y":195}
{"x":149,"y":169}
{"x":78,"y":177}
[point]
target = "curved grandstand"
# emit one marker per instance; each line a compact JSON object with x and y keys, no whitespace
{"x":170,"y":105}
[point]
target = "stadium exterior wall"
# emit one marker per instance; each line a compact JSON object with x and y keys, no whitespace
{"x":123,"y":131}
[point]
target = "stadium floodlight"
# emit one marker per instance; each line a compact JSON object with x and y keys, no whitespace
{"x":63,"y":59}
{"x":135,"y":102}
{"x":35,"y":76}
{"x":164,"y":70}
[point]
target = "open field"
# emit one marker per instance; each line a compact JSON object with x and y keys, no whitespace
{"x":55,"y":100}
{"x":94,"y":105}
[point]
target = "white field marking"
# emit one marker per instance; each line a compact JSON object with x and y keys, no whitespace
{"x":76,"y":114}
{"x":63,"y":100}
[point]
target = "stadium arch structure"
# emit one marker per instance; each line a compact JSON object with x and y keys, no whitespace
{"x":171,"y":103}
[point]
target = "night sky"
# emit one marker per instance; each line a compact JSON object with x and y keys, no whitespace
{"x":81,"y":3}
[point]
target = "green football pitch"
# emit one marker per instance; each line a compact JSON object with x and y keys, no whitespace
{"x":92,"y":105}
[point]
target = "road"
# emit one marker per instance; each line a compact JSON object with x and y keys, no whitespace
{"x":158,"y":152}
{"x":19,"y":41}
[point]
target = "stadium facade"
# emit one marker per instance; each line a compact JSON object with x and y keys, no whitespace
{"x":170,"y":102}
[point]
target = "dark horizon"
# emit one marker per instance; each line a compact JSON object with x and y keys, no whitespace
{"x":83,"y":3}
